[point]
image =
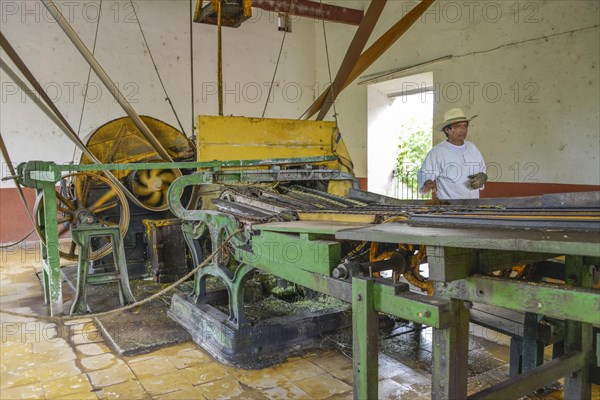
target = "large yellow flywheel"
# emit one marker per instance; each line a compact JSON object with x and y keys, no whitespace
{"x":120,"y":142}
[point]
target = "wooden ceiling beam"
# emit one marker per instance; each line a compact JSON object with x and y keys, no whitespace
{"x":312,"y":9}
{"x":371,"y":55}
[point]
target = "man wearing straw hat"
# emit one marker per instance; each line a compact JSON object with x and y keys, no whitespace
{"x":454,"y":168}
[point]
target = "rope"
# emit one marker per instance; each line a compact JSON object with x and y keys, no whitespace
{"x":130,"y":306}
{"x":87,"y":83}
{"x":167,"y":98}
{"x":278,"y":59}
{"x":328,"y":68}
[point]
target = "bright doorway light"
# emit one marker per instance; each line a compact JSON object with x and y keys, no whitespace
{"x":400,"y":121}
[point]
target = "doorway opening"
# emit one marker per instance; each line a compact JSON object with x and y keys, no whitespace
{"x":400,"y":121}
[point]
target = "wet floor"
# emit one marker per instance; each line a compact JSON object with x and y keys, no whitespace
{"x":40,"y":360}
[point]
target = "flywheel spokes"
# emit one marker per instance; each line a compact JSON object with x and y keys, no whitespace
{"x":83,"y":198}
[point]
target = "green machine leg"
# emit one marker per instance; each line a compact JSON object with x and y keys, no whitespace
{"x":579,"y":336}
{"x":51,"y":279}
{"x":81,"y":235}
{"x":365,"y":326}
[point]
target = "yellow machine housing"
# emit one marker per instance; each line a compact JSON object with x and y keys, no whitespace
{"x":242,"y":138}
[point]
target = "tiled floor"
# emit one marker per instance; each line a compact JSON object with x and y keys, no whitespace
{"x":40,"y":360}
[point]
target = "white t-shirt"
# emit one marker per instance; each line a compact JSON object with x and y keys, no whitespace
{"x":449,"y":167}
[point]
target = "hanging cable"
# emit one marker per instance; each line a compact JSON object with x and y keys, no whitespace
{"x":167,"y":98}
{"x":87,"y":83}
{"x":329,"y":67}
{"x":285,"y":31}
{"x":6,"y":246}
{"x":192,"y":63}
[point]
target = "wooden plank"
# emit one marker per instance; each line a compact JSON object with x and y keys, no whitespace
{"x":521,"y":240}
{"x":353,"y":54}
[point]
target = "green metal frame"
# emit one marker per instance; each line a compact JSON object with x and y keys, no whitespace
{"x":456,"y":254}
{"x":43,"y":176}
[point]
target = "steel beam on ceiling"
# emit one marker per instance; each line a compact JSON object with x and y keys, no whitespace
{"x":312,"y":9}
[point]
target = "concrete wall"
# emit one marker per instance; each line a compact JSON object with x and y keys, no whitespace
{"x":529,"y":69}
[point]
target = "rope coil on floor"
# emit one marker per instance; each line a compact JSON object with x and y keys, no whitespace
{"x":130,"y":306}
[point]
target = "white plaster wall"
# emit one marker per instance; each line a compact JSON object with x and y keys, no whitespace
{"x":249,"y":52}
{"x":528,"y":68}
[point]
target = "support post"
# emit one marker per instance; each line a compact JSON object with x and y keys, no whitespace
{"x":364,"y":339}
{"x":578,"y":335}
{"x":532,"y":347}
{"x":51,"y":263}
{"x":451,"y":356}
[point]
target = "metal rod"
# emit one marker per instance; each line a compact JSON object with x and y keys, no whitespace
{"x":110,"y":85}
{"x":219,"y":58}
{"x":192,"y":64}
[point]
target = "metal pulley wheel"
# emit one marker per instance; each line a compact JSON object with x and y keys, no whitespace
{"x":86,"y":197}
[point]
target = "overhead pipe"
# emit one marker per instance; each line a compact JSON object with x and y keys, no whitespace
{"x":312,"y":9}
{"x":110,"y":85}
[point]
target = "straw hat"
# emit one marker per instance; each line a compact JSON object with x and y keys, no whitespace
{"x":451,"y":117}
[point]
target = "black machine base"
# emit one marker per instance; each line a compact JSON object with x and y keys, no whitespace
{"x":255,"y":346}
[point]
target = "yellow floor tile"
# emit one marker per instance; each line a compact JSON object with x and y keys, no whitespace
{"x":222,"y":388}
{"x":204,"y":373}
{"x":15,"y":349}
{"x":266,"y":378}
{"x":111,"y":376}
{"x":18,"y":376}
{"x":75,"y":384}
{"x":142,"y":357}
{"x":86,"y":338}
{"x":130,"y":390}
{"x":181,"y":394}
{"x":178,"y":348}
{"x":92,"y":349}
{"x":350,"y":396}
{"x":76,"y":396}
{"x":161,"y":384}
{"x":82,"y":327}
{"x":322,"y":386}
{"x":331,"y":361}
{"x":33,"y":391}
{"x":187,"y":357}
{"x":17,"y":360}
{"x":392,"y":390}
{"x":152,"y":366}
{"x":286,"y":390}
{"x":102,"y":361}
{"x":299,"y":369}
{"x":51,"y":371}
